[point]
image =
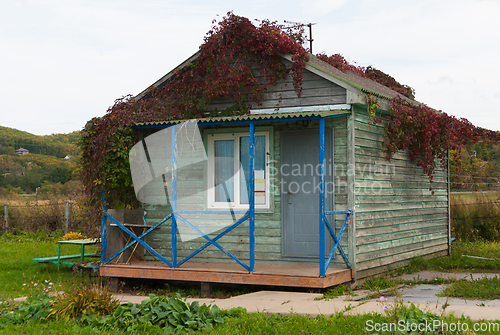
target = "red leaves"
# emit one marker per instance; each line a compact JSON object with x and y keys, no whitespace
{"x":338,"y":61}
{"x":428,"y":134}
{"x":224,"y":68}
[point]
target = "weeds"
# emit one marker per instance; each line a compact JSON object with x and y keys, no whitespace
{"x":336,"y":292}
{"x":483,"y":288}
{"x":456,"y":262}
{"x":476,"y":217}
{"x":174,"y":315}
{"x":94,"y":299}
{"x":380,"y":283}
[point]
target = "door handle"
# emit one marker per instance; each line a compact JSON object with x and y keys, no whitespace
{"x":290,"y":197}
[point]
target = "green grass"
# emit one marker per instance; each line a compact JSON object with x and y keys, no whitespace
{"x":380,"y":283}
{"x":54,"y":327}
{"x":455,"y":262}
{"x":17,"y":267}
{"x":256,"y":323}
{"x":484,"y":288}
{"x":336,"y":292}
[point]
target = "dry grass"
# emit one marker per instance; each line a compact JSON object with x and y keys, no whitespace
{"x":476,"y":215}
{"x":29,"y":214}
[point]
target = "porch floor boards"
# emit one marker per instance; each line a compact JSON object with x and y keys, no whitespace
{"x":290,"y":274}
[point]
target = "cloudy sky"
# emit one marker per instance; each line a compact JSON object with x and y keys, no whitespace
{"x":63,"y":62}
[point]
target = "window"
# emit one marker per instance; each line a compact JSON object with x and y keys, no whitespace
{"x":229,"y":170}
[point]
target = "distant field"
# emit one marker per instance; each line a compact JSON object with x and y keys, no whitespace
{"x":474,"y":197}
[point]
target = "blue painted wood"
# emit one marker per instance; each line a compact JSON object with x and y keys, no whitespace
{"x":251,"y":196}
{"x":337,"y":244}
{"x":212,"y":212}
{"x":173,"y":197}
{"x":322,"y":268}
{"x":211,"y":241}
{"x":227,"y":230}
{"x":103,"y":226}
{"x":135,"y":237}
{"x":243,"y":121}
{"x":156,"y":225}
{"x":338,"y":212}
{"x":337,"y":240}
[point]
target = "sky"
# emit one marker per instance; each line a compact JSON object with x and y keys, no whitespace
{"x":63,"y":62}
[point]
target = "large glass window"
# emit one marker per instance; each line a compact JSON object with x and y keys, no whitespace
{"x":228,"y":178}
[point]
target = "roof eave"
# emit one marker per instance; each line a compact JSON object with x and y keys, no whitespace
{"x":163,"y":79}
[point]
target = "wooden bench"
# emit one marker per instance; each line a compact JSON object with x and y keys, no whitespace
{"x":64,"y":259}
{"x":54,"y":259}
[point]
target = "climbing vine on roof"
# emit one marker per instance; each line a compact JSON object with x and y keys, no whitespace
{"x":226,"y":67}
{"x":428,"y":135}
{"x":338,"y":61}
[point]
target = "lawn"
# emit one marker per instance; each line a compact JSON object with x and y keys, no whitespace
{"x":456,"y":262}
{"x":17,"y":269}
{"x":20,"y":273}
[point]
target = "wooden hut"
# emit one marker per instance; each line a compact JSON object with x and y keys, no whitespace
{"x":326,"y":207}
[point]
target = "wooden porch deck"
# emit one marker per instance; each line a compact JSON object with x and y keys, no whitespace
{"x":289,"y":274}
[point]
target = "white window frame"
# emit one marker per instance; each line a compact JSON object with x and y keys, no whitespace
{"x":236,"y":204}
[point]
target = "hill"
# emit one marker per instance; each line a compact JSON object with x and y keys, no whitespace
{"x":57,"y":145}
{"x":479,"y":167}
{"x":45,"y":163}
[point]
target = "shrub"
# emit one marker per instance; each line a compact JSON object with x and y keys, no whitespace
{"x":84,"y":301}
{"x":173,"y":314}
{"x":73,"y":236}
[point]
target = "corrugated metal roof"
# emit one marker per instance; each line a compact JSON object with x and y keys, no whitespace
{"x":243,"y":118}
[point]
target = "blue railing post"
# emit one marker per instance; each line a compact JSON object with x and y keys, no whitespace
{"x":103,"y":226}
{"x":251,"y":196}
{"x":173,"y":197}
{"x":322,"y":270}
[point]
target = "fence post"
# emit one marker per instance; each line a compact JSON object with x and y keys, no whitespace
{"x":66,"y":215}
{"x":6,"y":219}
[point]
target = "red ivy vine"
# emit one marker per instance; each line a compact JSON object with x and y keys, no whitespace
{"x":428,"y":134}
{"x":338,"y":61}
{"x":226,"y":66}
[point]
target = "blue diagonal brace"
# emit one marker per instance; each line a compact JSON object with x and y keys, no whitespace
{"x":211,"y":241}
{"x":156,"y":225}
{"x":147,"y":247}
{"x":337,"y":242}
{"x":243,"y":219}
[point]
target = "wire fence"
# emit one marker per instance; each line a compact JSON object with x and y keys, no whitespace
{"x":52,"y":215}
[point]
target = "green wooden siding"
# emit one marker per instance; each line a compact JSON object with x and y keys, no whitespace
{"x":397,"y":217}
{"x":316,"y":91}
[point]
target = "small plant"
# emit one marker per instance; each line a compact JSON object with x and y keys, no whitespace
{"x":36,"y":307}
{"x":411,"y":318}
{"x":373,"y":106}
{"x":73,"y":236}
{"x":87,"y":300}
{"x":173,"y":314}
{"x":39,"y":289}
{"x":336,"y":292}
{"x":32,"y":310}
{"x":379,"y":283}
{"x":483,"y":288}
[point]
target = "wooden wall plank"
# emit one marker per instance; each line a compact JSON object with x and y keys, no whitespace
{"x":397,"y":216}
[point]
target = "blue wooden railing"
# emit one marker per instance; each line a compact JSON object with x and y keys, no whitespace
{"x":249,"y":215}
